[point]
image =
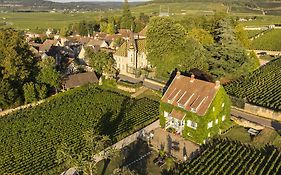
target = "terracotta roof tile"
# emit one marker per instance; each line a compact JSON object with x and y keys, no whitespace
{"x":191,"y":94}
{"x":177,"y":114}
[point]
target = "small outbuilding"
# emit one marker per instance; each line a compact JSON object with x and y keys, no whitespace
{"x":80,"y":79}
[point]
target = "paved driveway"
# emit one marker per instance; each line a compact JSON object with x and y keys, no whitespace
{"x":174,"y":144}
{"x":259,"y":120}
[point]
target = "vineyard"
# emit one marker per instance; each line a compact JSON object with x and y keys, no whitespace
{"x":262,"y":87}
{"x":225,"y":157}
{"x":253,"y":33}
{"x":29,"y":138}
{"x":269,"y":41}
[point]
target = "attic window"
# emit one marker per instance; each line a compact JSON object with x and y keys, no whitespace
{"x":193,"y":110}
{"x":180,"y":105}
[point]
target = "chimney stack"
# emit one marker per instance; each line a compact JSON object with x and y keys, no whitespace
{"x":178,"y":73}
{"x":217,"y":84}
{"x":192,"y":78}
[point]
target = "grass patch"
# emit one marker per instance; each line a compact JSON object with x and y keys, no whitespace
{"x":266,"y":136}
{"x":238,"y":133}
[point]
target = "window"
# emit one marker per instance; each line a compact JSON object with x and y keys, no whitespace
{"x":193,"y":110}
{"x":166,"y":114}
{"x":210,"y":124}
{"x":191,"y":124}
{"x":217,"y":121}
{"x":222,"y":105}
{"x":223,"y":118}
{"x":180,"y":105}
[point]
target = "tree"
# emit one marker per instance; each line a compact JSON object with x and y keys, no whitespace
{"x":85,"y":160}
{"x":169,"y":47}
{"x":202,"y":36}
{"x":127,"y":20}
{"x":242,"y":35}
{"x":102,"y":62}
{"x":8,"y":94}
{"x":29,"y":92}
{"x":48,"y":74}
{"x":65,"y":31}
{"x":17,"y":67}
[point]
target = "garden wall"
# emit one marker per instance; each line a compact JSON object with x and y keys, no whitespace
{"x":261,"y":111}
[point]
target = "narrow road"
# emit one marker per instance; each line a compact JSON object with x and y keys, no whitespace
{"x":253,"y":118}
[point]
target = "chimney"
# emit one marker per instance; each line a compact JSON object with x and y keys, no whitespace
{"x":217,"y":84}
{"x":192,"y":78}
{"x":178,"y":73}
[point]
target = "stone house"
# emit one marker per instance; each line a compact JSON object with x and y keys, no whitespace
{"x":194,"y":108}
{"x":131,"y":56}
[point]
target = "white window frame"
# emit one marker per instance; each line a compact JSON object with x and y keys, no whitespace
{"x":210,"y":124}
{"x":223,"y":118}
{"x":191,"y":124}
{"x":166,"y":114}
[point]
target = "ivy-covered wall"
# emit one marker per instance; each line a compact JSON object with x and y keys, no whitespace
{"x":202,"y":131}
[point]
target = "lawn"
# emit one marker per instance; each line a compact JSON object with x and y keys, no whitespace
{"x":266,"y":136}
{"x":130,"y":154}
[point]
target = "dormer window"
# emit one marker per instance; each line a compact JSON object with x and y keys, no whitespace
{"x":180,"y":105}
{"x":193,"y":110}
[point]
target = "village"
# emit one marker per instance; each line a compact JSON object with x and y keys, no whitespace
{"x":145,"y":95}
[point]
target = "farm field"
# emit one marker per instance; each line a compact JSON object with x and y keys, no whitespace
{"x":252,"y":33}
{"x":269,"y":41}
{"x":43,"y":20}
{"x":180,"y":8}
{"x":262,"y":87}
{"x":261,"y":20}
{"x":35,"y":21}
{"x":29,"y":138}
{"x":225,"y":157}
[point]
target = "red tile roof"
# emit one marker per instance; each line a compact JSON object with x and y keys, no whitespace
{"x":178,"y":114}
{"x":191,"y":94}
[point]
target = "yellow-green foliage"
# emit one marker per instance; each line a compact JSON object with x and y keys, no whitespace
{"x":201,"y":132}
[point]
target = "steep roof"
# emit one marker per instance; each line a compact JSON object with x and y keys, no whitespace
{"x":123,"y":49}
{"x":142,"y":33}
{"x":80,"y":79}
{"x":191,"y":94}
{"x":47,"y":45}
{"x":178,"y":114}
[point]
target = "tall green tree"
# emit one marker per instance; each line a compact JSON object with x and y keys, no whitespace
{"x":17,"y":67}
{"x":127,"y":20}
{"x":29,"y":92}
{"x":48,"y":74}
{"x":101,"y":62}
{"x":169,"y":47}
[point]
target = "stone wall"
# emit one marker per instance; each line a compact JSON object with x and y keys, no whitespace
{"x":127,"y":89}
{"x":264,"y":112}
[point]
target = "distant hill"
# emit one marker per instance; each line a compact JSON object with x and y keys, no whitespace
{"x":43,"y":5}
